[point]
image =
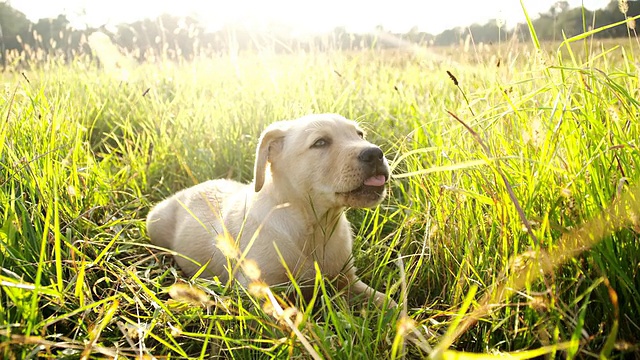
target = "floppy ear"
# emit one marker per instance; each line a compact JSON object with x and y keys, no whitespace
{"x":270,"y":143}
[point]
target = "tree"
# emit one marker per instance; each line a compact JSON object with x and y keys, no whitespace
{"x":561,"y":6}
{"x":13,"y":23}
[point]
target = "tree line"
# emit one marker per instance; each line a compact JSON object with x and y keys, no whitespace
{"x":560,"y":21}
{"x":186,"y":38}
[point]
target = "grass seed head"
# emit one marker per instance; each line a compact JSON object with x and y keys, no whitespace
{"x":453,"y":78}
{"x":623,"y":6}
{"x":258,"y":288}
{"x":251,"y":269}
{"x":186,"y":293}
{"x":227,"y":245}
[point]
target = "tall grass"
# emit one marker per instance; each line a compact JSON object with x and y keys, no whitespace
{"x":493,"y":179}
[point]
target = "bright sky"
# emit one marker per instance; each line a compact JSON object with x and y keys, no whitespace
{"x":357,"y":15}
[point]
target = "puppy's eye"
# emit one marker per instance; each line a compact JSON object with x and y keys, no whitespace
{"x":322,"y":142}
{"x":361,"y":134}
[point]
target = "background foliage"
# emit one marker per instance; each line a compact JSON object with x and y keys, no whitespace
{"x":187,"y":38}
{"x":478,"y":137}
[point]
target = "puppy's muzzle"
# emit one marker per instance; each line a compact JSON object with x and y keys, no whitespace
{"x":375,"y":166}
{"x":373,"y":174}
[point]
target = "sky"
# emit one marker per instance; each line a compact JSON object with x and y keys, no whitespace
{"x":306,"y":16}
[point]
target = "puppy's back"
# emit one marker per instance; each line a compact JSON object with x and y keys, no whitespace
{"x":161,"y":223}
{"x":202,"y":201}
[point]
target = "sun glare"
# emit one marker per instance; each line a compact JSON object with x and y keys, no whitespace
{"x":299,"y":16}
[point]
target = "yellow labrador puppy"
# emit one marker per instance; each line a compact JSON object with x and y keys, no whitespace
{"x":292,"y":216}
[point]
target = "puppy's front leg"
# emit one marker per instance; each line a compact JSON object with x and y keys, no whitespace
{"x":353,"y":285}
{"x":360,"y":288}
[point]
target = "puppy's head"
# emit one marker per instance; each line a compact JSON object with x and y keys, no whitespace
{"x":324,"y":158}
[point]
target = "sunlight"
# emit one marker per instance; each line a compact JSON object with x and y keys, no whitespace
{"x":303,"y":17}
{"x":158,"y":201}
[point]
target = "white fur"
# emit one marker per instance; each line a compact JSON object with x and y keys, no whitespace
{"x":294,"y":208}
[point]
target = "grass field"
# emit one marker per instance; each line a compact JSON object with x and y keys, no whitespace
{"x":511,"y":223}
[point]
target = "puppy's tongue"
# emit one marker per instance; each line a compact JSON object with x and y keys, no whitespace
{"x":377,"y":180}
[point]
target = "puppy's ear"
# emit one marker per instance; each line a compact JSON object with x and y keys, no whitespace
{"x":270,"y":144}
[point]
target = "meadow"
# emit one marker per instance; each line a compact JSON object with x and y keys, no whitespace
{"x":511,"y":225}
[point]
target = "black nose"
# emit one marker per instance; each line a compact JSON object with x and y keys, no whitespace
{"x":372,"y":155}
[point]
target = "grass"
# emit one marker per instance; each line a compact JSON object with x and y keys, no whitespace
{"x":86,"y":151}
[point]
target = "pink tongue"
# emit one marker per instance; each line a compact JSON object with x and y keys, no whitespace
{"x":377,"y":180}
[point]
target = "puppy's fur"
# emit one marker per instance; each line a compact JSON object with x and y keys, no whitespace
{"x":306,"y":172}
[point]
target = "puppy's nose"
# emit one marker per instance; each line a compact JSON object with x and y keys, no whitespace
{"x":372,"y":155}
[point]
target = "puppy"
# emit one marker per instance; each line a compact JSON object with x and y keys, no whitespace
{"x":307,"y":171}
